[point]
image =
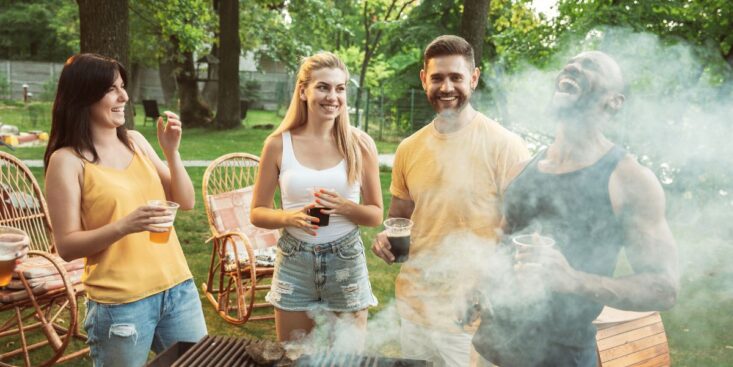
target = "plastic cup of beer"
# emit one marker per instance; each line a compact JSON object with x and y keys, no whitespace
{"x":532,"y":244}
{"x":12,"y":243}
{"x":398,"y":233}
{"x":162,"y":237}
{"x":317,"y":211}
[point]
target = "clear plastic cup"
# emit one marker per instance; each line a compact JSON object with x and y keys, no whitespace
{"x":532,"y":244}
{"x":12,"y":243}
{"x":163,"y":237}
{"x":398,"y":233}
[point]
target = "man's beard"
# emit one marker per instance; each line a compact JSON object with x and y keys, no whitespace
{"x":563,"y":109}
{"x":461,"y":102}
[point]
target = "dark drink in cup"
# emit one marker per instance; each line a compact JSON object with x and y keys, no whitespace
{"x":400,"y":247}
{"x":318,"y":213}
{"x":398,"y":233}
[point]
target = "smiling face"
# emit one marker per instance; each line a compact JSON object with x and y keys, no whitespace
{"x":589,"y":82}
{"x":110,"y":110}
{"x":325,"y":94}
{"x":449,"y":82}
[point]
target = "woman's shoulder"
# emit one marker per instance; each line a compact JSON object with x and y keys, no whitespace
{"x":273,"y":144}
{"x":66,"y":158}
{"x":274,"y":141}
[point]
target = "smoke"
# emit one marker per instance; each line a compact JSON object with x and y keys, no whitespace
{"x":676,"y":121}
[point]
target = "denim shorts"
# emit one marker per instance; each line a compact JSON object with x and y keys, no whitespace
{"x":330,"y":276}
{"x":123,"y":334}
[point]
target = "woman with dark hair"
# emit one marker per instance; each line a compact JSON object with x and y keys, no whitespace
{"x":99,"y":179}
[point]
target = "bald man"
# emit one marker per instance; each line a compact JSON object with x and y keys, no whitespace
{"x":593,"y":199}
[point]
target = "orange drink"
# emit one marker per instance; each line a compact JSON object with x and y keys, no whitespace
{"x":163,"y":237}
{"x":12,"y":243}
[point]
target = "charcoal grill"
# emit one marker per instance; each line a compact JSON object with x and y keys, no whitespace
{"x":230,"y":352}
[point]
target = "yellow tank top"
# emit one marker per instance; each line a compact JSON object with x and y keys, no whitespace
{"x":133,"y":267}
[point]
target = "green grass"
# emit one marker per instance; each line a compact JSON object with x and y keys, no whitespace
{"x":196,"y":144}
{"x":698,"y":328}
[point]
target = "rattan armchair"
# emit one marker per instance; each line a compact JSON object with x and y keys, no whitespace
{"x":236,"y":282}
{"x":37,"y":322}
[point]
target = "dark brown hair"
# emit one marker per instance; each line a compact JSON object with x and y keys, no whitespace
{"x":448,"y":45}
{"x":84,"y":80}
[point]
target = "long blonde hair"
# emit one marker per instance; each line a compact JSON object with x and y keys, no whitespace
{"x":297,"y":115}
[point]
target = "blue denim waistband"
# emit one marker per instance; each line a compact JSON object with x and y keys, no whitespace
{"x":333,"y":246}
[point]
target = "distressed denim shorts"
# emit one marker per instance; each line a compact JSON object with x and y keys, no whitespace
{"x":330,"y":276}
{"x":123,"y":334}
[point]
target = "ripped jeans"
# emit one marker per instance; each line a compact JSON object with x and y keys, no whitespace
{"x":123,"y":334}
{"x":330,"y":276}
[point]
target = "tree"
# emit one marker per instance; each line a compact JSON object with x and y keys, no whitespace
{"x":105,"y":30}
{"x":185,"y":26}
{"x":38,"y":30}
{"x":373,"y":31}
{"x":473,"y":25}
{"x":227,"y":112}
{"x":704,"y":23}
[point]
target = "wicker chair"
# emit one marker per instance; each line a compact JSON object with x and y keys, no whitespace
{"x":37,"y":321}
{"x":234,"y":282}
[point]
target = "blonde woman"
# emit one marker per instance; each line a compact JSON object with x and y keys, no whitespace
{"x":323,"y":166}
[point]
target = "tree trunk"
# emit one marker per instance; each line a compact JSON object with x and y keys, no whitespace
{"x":227,"y":112}
{"x":135,"y":89}
{"x":105,"y":30}
{"x":473,"y":25}
{"x":167,"y":74}
{"x":194,"y":111}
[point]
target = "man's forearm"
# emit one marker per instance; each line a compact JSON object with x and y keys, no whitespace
{"x":639,"y":292}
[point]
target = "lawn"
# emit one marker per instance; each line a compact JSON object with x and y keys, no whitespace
{"x":698,"y":328}
{"x":197,"y":143}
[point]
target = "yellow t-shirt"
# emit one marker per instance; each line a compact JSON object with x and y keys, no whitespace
{"x":455,"y":181}
{"x":133,"y":267}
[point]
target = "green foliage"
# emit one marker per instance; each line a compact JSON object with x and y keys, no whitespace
{"x":287,"y":32}
{"x":168,"y":28}
{"x":708,"y":24}
{"x":39,"y":30}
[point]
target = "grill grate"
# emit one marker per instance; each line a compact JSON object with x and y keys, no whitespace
{"x":230,"y":352}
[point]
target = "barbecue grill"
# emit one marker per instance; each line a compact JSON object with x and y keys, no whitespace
{"x":230,"y":352}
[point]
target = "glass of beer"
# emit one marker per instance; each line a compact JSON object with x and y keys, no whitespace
{"x":162,"y":237}
{"x":12,"y":243}
{"x":532,"y":244}
{"x":398,"y":234}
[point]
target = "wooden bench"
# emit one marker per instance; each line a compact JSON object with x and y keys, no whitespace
{"x":627,"y":339}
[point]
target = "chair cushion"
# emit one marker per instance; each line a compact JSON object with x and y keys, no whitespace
{"x":42,"y":276}
{"x":230,"y":211}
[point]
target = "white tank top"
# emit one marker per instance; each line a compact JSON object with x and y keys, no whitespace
{"x":296,"y":185}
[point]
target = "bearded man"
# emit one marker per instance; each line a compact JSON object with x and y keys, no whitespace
{"x":447,"y":177}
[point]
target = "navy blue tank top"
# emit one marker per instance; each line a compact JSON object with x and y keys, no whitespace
{"x":575,"y":209}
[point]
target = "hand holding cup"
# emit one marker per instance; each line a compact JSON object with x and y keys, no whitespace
{"x":163,"y":229}
{"x":398,"y":234}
